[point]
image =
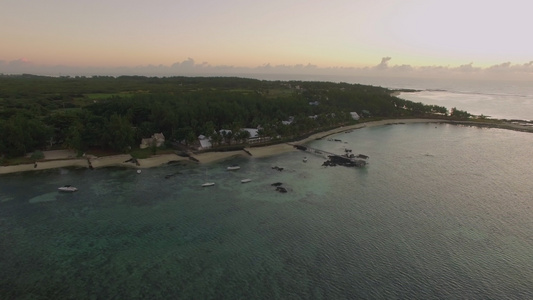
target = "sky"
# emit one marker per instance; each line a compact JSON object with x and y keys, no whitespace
{"x":224,"y":37}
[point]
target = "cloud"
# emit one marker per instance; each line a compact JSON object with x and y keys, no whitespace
{"x":187,"y":64}
{"x":508,"y":67}
{"x":20,"y":65}
{"x":501,"y":67}
{"x":403,"y":68}
{"x":468,"y":68}
{"x":21,"y":62}
{"x":384,"y":64}
{"x":189,"y":67}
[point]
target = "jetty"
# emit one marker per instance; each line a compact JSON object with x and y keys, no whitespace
{"x":348,"y":159}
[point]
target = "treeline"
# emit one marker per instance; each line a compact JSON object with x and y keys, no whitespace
{"x":116,"y":113}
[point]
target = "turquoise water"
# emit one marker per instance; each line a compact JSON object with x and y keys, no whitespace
{"x":441,"y":211}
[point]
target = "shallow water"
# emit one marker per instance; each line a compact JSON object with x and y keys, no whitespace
{"x":441,"y":211}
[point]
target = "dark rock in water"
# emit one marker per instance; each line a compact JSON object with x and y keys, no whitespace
{"x":277,"y":168}
{"x":335,"y":160}
{"x":281,"y":189}
{"x":276,"y":184}
{"x":328,"y":163}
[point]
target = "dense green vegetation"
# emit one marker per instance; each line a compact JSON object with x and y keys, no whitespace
{"x":109,"y":113}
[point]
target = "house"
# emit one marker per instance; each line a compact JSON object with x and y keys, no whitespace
{"x":314,"y":103}
{"x":224,"y":132}
{"x":253,"y":132}
{"x":157,"y":139}
{"x":205,"y":142}
{"x":354,"y":115}
{"x":289,"y":121}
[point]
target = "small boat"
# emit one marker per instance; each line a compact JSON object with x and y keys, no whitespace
{"x":207,"y":183}
{"x":67,"y":188}
{"x":305,"y":159}
{"x":233,"y":167}
{"x":139,"y":171}
{"x":246,"y":180}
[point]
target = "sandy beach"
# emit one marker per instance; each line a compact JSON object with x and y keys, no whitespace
{"x":209,"y":157}
{"x":65,"y":158}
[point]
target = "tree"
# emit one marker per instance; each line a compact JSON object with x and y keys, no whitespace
{"x":93,"y":134}
{"x":21,"y":134}
{"x":242,"y":136}
{"x":61,"y":122}
{"x":216,"y":138}
{"x":73,"y":137}
{"x":119,"y":133}
{"x":185,"y":134}
{"x":459,"y":114}
{"x":11,"y":139}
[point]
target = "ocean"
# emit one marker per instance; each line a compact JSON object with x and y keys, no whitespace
{"x":440,"y":212}
{"x":494,"y":99}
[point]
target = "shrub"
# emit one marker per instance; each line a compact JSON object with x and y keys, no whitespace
{"x":36,"y":155}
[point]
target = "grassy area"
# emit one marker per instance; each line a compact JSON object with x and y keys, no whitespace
{"x":141,"y":153}
{"x":275,"y":93}
{"x":101,"y":96}
{"x":82,"y":102}
{"x":148,"y":152}
{"x":242,"y":91}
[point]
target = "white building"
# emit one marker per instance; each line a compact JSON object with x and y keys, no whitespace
{"x":289,"y":121}
{"x":205,"y":142}
{"x":253,"y":132}
{"x":157,"y":138}
{"x":354,"y":115}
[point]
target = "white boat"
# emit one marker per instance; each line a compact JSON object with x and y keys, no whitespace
{"x":233,"y":167}
{"x":207,"y":183}
{"x":305,"y":159}
{"x":67,"y":188}
{"x":246,"y":180}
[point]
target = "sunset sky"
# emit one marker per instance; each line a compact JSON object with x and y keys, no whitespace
{"x":114,"y":34}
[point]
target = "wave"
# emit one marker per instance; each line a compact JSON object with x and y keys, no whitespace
{"x":480,"y":93}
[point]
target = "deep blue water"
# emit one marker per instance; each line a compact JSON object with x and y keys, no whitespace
{"x":441,"y":211}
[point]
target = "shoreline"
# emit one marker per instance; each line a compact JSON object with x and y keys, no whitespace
{"x":123,"y":160}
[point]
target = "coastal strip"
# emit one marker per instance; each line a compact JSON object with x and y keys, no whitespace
{"x":125,"y":160}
